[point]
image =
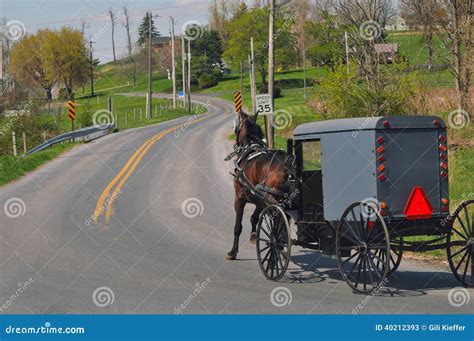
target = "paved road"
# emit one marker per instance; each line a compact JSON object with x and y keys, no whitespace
{"x":150,"y":254}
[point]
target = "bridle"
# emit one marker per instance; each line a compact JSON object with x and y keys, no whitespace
{"x":238,"y":129}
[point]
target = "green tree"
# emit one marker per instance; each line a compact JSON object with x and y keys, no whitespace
{"x":144,"y":29}
{"x":254,"y":23}
{"x":327,"y":41}
{"x":209,"y":45}
{"x":66,"y":58}
{"x":27,"y":62}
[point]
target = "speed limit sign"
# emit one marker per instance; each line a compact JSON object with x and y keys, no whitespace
{"x":263,"y":104}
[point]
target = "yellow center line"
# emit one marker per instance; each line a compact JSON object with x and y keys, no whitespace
{"x":128,"y":169}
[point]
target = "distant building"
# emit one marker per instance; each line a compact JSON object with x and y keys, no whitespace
{"x":396,"y":23}
{"x":386,"y":52}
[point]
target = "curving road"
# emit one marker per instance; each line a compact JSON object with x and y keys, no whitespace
{"x":140,"y":221}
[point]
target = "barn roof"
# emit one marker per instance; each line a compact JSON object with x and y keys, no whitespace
{"x":386,"y":48}
{"x":367,"y":123}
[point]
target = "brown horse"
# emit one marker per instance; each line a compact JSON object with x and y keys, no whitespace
{"x":256,"y":165}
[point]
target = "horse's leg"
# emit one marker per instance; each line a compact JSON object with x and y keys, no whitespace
{"x":239,"y":206}
{"x":254,"y":220}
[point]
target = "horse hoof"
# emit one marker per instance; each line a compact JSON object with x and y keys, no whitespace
{"x":230,"y":256}
{"x":253,"y":238}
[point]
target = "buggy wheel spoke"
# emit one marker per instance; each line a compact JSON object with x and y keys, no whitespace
{"x":356,"y":224}
{"x":351,"y":257}
{"x":459,"y":232}
{"x":465,"y":269}
{"x":459,"y":251}
{"x":370,"y":270}
{"x":462,"y":259}
{"x":354,"y":265}
{"x":376,"y":268}
{"x":265,"y":248}
{"x":350,"y":229}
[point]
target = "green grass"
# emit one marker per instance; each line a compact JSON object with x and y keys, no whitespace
{"x":12,"y":167}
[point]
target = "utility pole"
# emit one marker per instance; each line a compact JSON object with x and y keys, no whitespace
{"x":254,"y":78}
{"x":91,"y":67}
{"x":189,"y":75}
{"x":183,"y":64}
{"x":304,"y":70}
{"x":173,"y":58}
{"x":347,"y":51}
{"x":252,"y":98}
{"x":149,"y":106}
{"x":271,"y":59}
{"x":241,"y":79}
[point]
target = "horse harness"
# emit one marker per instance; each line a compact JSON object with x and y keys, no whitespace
{"x":244,"y":154}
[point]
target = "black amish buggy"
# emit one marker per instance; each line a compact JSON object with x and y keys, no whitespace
{"x":364,"y":187}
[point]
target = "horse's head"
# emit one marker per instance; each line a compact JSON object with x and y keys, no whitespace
{"x":247,"y":130}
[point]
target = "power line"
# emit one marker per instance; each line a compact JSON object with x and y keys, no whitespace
{"x":68,"y":20}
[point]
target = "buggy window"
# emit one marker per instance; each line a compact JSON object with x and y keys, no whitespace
{"x":312,"y":155}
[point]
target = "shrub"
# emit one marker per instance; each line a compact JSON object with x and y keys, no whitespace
{"x":207,"y":81}
{"x":263,"y":89}
{"x":344,"y":94}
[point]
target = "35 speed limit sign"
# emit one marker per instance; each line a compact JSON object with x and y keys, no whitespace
{"x":263,"y":104}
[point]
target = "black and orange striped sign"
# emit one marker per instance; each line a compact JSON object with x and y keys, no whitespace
{"x":71,"y":109}
{"x":238,"y":101}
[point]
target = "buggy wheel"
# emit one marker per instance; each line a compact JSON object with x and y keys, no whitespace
{"x":396,"y":253}
{"x":273,"y":242}
{"x":460,"y":243}
{"x":361,"y":237}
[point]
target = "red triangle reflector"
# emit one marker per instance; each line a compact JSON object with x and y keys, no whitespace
{"x":418,"y":206}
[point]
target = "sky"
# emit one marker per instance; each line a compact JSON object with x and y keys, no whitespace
{"x":38,"y":14}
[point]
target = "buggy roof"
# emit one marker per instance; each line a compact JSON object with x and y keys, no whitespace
{"x":367,"y":123}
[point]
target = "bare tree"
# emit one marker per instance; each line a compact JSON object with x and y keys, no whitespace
{"x":112,"y":22}
{"x":366,"y":20}
{"x":126,"y":24}
{"x":83,"y":25}
{"x":427,"y":14}
{"x":459,"y":27}
{"x":302,"y":11}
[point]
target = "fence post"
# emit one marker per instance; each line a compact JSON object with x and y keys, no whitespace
{"x":156,"y":109}
{"x":14,"y":143}
{"x":134,"y":114}
{"x":116,"y":121}
{"x":126,"y":119}
{"x":24,"y":143}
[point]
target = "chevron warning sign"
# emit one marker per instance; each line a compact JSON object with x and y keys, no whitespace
{"x":238,"y":101}
{"x":71,"y":109}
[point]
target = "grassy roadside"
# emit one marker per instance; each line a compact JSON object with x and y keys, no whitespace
{"x":12,"y":167}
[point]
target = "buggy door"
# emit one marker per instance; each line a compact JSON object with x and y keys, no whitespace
{"x":311,"y":198}
{"x":412,"y":161}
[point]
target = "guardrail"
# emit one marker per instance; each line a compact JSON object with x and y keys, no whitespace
{"x":84,"y":134}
